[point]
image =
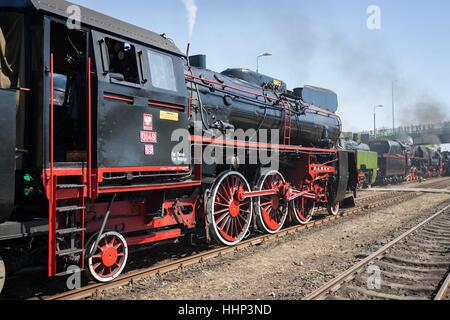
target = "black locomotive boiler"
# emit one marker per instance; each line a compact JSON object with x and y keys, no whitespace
{"x":90,"y":164}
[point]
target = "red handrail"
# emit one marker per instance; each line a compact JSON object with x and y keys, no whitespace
{"x":52,"y":97}
{"x":89,"y":113}
{"x":51,"y":182}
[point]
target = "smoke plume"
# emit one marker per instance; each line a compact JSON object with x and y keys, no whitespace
{"x":425,"y":110}
{"x":191,"y":10}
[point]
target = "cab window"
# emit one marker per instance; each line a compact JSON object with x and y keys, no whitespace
{"x":162,"y":71}
{"x":122,"y":60}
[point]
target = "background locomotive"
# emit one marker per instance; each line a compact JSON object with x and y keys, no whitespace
{"x":90,"y":163}
{"x":366,"y":162}
{"x":392,"y":161}
{"x":395,"y":162}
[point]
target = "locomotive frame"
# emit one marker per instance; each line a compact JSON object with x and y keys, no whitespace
{"x":123,"y":189}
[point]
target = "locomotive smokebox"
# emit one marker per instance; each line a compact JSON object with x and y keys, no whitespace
{"x":198,"y":61}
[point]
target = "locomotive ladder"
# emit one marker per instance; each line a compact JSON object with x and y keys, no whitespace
{"x":287,"y":114}
{"x":66,"y":233}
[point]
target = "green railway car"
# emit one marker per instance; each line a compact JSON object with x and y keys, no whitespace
{"x":367,"y":164}
{"x":366,"y":161}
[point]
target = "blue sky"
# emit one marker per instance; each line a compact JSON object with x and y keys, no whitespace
{"x":321,"y":42}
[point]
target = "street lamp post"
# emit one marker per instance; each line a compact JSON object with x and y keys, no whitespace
{"x":259,"y":57}
{"x":393,"y":108}
{"x":375,"y":120}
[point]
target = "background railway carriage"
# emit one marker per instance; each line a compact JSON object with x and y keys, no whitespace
{"x":366,"y":162}
{"x":87,"y":163}
{"x":392,"y":161}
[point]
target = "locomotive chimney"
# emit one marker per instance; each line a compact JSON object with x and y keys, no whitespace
{"x":198,"y":61}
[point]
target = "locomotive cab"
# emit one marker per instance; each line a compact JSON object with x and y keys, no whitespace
{"x":12,"y":104}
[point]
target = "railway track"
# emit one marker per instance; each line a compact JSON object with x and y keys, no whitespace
{"x":364,"y":204}
{"x":444,"y":292}
{"x":95,"y":290}
{"x":411,"y":267}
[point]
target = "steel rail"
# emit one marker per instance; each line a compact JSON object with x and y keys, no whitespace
{"x":350,"y":272}
{"x":94,"y":289}
{"x":444,"y":291}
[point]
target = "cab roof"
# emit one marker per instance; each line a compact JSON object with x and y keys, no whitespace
{"x":97,"y":20}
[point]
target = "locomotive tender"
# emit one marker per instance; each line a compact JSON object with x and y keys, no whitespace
{"x":88,"y":166}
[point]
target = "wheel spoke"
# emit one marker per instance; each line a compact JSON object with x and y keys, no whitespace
{"x":237,"y":230}
{"x":238,"y":222}
{"x":95,"y":266}
{"x":218,"y":221}
{"x":222,"y":197}
{"x":224,"y":222}
{"x":226,"y":227}
{"x":229,"y":189}
{"x":247,"y":212}
{"x":222,"y":204}
{"x":221,"y":211}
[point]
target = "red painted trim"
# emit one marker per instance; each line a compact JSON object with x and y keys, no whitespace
{"x":52,"y":119}
{"x":163,"y":105}
{"x":52,"y":202}
{"x":143,"y":169}
{"x":52,"y":229}
{"x":67,"y":172}
{"x":67,"y":194}
{"x":116,"y":98}
{"x":244,"y":144}
{"x":156,"y":237}
{"x":262,"y":193}
{"x":106,"y":190}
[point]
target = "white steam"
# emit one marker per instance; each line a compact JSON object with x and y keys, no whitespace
{"x":191,"y":9}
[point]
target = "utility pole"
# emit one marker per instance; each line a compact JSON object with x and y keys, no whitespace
{"x":393,"y":108}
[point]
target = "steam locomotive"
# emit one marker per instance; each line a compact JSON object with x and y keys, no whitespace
{"x":384,"y":162}
{"x":113,"y":138}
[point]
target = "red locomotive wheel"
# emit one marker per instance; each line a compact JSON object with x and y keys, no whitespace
{"x":109,"y":258}
{"x":303,"y":210}
{"x":271,"y":211}
{"x":333,"y":209}
{"x":229,"y":217}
